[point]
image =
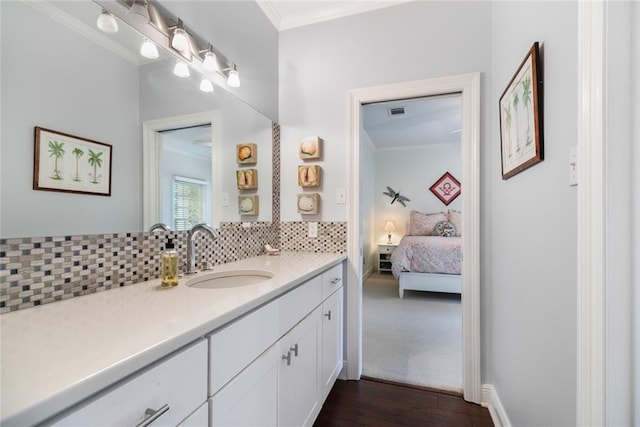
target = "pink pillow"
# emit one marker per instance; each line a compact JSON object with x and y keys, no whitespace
{"x":455,"y":218}
{"x":422,"y":224}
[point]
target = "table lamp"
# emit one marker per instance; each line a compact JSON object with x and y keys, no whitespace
{"x":389,"y":227}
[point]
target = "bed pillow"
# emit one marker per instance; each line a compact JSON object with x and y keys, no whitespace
{"x":422,"y":224}
{"x":455,"y":218}
{"x":444,"y":229}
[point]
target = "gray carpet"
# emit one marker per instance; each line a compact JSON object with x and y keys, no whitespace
{"x":415,"y":340}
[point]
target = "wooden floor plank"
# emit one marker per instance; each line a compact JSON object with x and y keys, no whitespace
{"x":374,"y":403}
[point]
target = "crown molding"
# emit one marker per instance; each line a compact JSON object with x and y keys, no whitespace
{"x":286,"y":22}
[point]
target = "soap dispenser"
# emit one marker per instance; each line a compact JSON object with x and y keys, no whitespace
{"x":169,"y":266}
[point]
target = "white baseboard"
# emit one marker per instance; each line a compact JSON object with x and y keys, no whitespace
{"x":491,"y":401}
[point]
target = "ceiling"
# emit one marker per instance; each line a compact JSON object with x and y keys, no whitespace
{"x":430,"y":120}
{"x":287,"y":14}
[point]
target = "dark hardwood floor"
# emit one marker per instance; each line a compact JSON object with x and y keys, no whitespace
{"x":370,"y":402}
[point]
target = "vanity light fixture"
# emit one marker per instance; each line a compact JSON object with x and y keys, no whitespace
{"x":233,"y":80}
{"x":209,"y":62}
{"x":181,"y":69}
{"x":180,"y":38}
{"x":149,"y":49}
{"x":139,"y":12}
{"x":206,"y":85}
{"x":107,"y":22}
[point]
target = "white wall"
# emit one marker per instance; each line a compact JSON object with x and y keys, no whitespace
{"x":320,"y":63}
{"x":79,"y":97}
{"x":533,"y":236}
{"x":367,"y":202}
{"x":412,"y":171}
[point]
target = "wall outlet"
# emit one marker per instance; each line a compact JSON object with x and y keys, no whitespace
{"x":246,"y":225}
{"x":313,"y":229}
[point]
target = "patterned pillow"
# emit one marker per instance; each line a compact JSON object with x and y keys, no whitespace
{"x":422,"y":224}
{"x":455,"y":218}
{"x":444,"y":229}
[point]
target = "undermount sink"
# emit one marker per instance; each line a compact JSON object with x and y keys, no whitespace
{"x":229,"y":279}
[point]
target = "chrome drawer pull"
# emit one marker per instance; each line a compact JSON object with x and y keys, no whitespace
{"x":287,"y":358}
{"x":152,"y":415}
{"x":336,"y":280}
{"x":328,"y":315}
{"x":295,"y":350}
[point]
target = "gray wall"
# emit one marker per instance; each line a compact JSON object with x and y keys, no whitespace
{"x":533,"y":226}
{"x":75,"y":96}
{"x":86,"y":97}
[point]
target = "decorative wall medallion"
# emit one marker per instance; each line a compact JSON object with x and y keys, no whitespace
{"x":309,"y":203}
{"x":248,"y":205}
{"x":309,"y":176}
{"x":447,"y":188}
{"x":247,"y":179}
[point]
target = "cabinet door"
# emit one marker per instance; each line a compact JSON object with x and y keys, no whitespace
{"x":299,"y":384}
{"x":250,"y":398}
{"x":175,"y":387}
{"x":331,"y":341}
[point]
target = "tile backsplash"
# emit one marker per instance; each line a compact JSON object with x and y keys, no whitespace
{"x":41,"y":270}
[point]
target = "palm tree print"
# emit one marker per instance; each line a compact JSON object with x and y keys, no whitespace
{"x":526,"y":100}
{"x":507,"y":120}
{"x":78,"y":153}
{"x":516,"y":102}
{"x":56,"y":150}
{"x":95,"y":160}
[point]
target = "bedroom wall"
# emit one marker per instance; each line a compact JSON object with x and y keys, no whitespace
{"x":367,"y":202}
{"x":412,"y":171}
{"x":533,"y":227}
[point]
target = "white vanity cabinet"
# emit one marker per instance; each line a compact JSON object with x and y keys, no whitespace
{"x":286,"y":382}
{"x":173,"y":389}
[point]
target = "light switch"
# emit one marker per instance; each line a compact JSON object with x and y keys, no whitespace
{"x":313,"y":229}
{"x":224,"y":199}
{"x":573,"y":166}
{"x":341,"y":196}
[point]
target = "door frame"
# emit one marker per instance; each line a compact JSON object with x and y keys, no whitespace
{"x":152,"y":161}
{"x":469,"y":87}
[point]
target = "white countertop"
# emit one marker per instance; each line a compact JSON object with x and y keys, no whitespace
{"x":55,"y":355}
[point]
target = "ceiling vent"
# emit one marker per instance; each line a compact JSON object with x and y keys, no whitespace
{"x":396,"y":111}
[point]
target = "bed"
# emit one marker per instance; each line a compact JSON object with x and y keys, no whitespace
{"x":428,"y":258}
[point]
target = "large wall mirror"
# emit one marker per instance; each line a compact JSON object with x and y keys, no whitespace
{"x":60,"y":72}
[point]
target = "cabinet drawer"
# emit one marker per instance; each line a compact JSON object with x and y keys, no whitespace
{"x":180,"y":382}
{"x":331,"y":280}
{"x":384,"y":249}
{"x":235,"y":346}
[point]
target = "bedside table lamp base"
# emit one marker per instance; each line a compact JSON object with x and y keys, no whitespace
{"x":389,"y":242}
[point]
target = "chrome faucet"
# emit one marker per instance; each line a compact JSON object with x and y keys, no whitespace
{"x":159,"y":226}
{"x":190,"y":252}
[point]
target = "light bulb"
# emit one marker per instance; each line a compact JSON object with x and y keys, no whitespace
{"x":179,"y":41}
{"x":233,"y":80}
{"x":206,"y":85}
{"x":107,"y":22}
{"x":210,"y":62}
{"x":149,"y":49}
{"x":181,"y":69}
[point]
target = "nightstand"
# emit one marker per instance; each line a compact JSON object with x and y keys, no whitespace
{"x":384,"y":257}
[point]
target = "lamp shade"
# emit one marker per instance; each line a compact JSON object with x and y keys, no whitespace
{"x":389,"y":227}
{"x":107,"y":22}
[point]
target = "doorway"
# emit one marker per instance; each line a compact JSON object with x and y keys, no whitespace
{"x":408,"y":145}
{"x":469,"y":87}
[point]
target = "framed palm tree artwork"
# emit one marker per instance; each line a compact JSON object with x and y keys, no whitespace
{"x":71,"y":164}
{"x":521,"y":136}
